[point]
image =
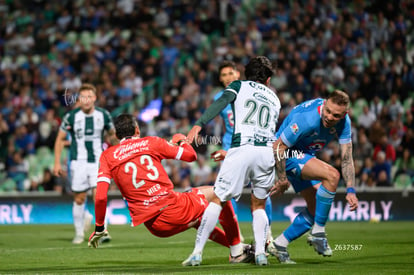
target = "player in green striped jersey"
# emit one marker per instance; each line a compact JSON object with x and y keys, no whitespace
{"x":86,"y":126}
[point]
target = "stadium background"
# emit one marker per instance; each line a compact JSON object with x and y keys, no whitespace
{"x":159,"y":60}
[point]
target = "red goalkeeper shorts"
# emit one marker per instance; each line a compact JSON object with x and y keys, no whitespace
{"x":175,"y":218}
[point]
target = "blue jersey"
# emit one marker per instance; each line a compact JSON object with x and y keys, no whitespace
{"x":303,"y":130}
{"x":228,"y":118}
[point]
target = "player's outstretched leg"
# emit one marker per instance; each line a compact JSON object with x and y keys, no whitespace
{"x":317,"y":238}
{"x":193,"y":260}
{"x":300,"y":225}
{"x":208,"y":223}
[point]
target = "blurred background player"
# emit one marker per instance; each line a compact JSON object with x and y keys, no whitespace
{"x":135,"y":165}
{"x":86,"y":125}
{"x":228,"y":73}
{"x":250,"y":158}
{"x":306,"y":130}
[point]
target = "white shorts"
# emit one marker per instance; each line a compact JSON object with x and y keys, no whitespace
{"x":242,"y":165}
{"x":83,"y":175}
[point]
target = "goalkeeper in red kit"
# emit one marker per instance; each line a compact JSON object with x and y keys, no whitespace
{"x":135,"y":166}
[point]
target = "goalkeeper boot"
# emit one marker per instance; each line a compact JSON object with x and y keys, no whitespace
{"x":106,"y":238}
{"x":320,"y":243}
{"x":261,"y":259}
{"x":280,"y":252}
{"x":193,"y":260}
{"x":246,"y":257}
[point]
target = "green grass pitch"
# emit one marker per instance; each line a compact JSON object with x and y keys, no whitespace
{"x":359,"y":248}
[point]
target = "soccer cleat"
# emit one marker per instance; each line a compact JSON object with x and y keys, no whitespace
{"x":320,"y":244}
{"x":280,"y":252}
{"x":192,"y":260}
{"x":87,"y":220}
{"x":78,"y":239}
{"x":270,"y":247}
{"x":246,"y":257}
{"x":261,"y":259}
{"x":106,"y":238}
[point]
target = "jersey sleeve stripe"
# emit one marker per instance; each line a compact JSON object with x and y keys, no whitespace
{"x":104,"y":179}
{"x":179,"y":153}
{"x":232,"y":90}
{"x":345,"y":140}
{"x":285,"y":140}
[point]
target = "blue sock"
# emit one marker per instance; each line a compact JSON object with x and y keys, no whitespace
{"x":268,"y":209}
{"x":234,"y":203}
{"x":324,"y":199}
{"x":300,"y":225}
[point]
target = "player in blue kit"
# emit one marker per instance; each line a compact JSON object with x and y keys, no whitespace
{"x":307,"y":129}
{"x":227,"y":74}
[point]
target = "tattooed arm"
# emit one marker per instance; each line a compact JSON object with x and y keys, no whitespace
{"x":282,"y":184}
{"x":348,"y":172}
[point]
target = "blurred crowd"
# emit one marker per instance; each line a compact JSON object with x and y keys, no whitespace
{"x":48,"y":48}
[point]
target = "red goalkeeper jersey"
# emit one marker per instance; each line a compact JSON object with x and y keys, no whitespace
{"x":135,"y":165}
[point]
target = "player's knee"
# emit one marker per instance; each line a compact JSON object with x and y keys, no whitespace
{"x":333,"y":177}
{"x":79,"y":200}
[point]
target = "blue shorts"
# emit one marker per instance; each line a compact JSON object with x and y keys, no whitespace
{"x":294,"y":172}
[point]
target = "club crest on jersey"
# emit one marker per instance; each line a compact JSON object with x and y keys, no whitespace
{"x":316,"y":146}
{"x":294,"y":128}
{"x":332,"y":130}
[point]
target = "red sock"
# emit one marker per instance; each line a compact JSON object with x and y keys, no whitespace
{"x":229,"y":223}
{"x":219,"y":236}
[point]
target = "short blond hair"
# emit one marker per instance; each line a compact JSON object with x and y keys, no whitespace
{"x":87,"y":86}
{"x":339,"y":97}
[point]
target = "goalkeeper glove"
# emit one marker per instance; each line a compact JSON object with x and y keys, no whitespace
{"x":96,"y":235}
{"x":179,"y":139}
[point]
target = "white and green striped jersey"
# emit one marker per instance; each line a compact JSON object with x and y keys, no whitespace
{"x":256,"y":111}
{"x":86,"y":131}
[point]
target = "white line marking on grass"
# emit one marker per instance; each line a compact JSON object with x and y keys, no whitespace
{"x":55,"y":248}
{"x":176,"y":242}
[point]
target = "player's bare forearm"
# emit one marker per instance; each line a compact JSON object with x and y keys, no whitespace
{"x":193,"y":134}
{"x":282,"y":184}
{"x":280,"y":161}
{"x":348,"y":170}
{"x":281,"y":169}
{"x":58,"y":150}
{"x":59,"y":144}
{"x":111,"y":137}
